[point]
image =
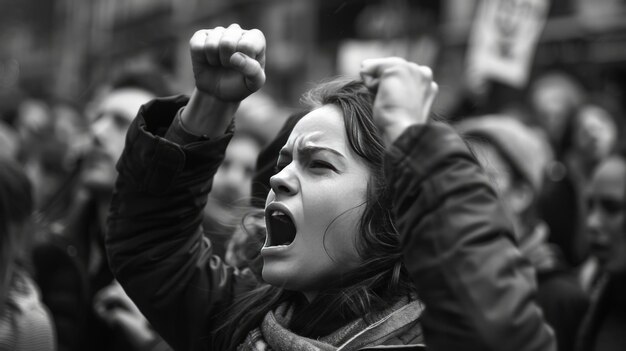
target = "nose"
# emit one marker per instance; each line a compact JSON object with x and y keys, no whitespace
{"x":100,"y":127}
{"x":284,"y":183}
{"x":594,"y":221}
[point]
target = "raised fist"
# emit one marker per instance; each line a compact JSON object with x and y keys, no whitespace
{"x":405,"y":92}
{"x":228,"y":63}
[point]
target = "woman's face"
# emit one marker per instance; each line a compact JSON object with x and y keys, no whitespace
{"x":313,"y":210}
{"x":595,"y":134}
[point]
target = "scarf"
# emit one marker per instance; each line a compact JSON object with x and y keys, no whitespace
{"x":273,"y":334}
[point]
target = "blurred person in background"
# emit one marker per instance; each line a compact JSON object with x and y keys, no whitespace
{"x":230,"y":198}
{"x":25,"y":324}
{"x":70,"y":263}
{"x":591,"y":137}
{"x":554,"y":96}
{"x":49,"y":136}
{"x":515,"y":157}
{"x":605,"y":324}
{"x":41,"y":152}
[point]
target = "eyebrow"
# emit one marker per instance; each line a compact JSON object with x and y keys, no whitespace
{"x":313,"y":149}
{"x":308,"y":150}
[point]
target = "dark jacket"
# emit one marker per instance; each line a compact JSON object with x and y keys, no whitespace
{"x":458,"y":248}
{"x":603,"y":327}
{"x":71,"y":268}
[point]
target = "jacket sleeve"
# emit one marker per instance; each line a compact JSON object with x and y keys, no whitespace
{"x":459,"y":248}
{"x":154,"y":242}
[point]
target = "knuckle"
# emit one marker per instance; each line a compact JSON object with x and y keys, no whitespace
{"x":197,"y":39}
{"x":246,"y":47}
{"x":414,"y":66}
{"x":426,"y":72}
{"x":256,"y":33}
{"x":394,"y":70}
{"x":227,"y":44}
{"x":198,"y":33}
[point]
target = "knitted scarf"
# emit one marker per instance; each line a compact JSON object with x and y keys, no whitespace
{"x":273,"y":334}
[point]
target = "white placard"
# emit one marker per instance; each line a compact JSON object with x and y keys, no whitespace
{"x":504,"y":38}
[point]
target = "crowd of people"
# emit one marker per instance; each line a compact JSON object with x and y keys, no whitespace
{"x":155,"y":221}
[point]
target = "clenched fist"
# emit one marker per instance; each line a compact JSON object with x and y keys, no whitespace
{"x":228,"y":63}
{"x":405,"y":92}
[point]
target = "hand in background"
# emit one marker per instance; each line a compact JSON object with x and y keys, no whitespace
{"x":116,"y":309}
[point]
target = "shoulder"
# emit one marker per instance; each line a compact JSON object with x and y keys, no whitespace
{"x":28,"y":318}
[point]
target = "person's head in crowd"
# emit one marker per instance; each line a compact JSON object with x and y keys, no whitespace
{"x":341,"y":118}
{"x":16,"y":206}
{"x":233,"y":179}
{"x":25,"y":323}
{"x":554,"y":96}
{"x":594,"y":134}
{"x":346,"y":245}
{"x":111,"y":115}
{"x":69,"y":124}
{"x":515,"y":157}
{"x":606,"y":207}
{"x":34,"y":121}
{"x":261,"y":114}
{"x":41,"y":151}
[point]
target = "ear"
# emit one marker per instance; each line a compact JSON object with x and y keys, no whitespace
{"x":521,"y":197}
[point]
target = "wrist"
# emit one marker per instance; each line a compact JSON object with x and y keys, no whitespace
{"x":392,"y":132}
{"x":207,"y":115}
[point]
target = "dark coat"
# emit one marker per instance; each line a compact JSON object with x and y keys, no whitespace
{"x":67,"y":285}
{"x":604,"y":325}
{"x":458,"y":246}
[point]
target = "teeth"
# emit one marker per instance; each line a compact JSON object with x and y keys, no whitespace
{"x":278,"y":213}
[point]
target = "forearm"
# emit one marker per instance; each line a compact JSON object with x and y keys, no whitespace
{"x":459,"y":250}
{"x":206,"y":115}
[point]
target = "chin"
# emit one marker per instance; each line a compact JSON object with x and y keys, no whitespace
{"x":98,"y":182}
{"x":276,"y":276}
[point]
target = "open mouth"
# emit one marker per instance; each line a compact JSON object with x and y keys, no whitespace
{"x":281,"y":229}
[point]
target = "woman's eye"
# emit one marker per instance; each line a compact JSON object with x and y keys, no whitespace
{"x":317,"y":164}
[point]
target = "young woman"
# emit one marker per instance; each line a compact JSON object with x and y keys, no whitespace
{"x":369,"y":205}
{"x":24,"y":321}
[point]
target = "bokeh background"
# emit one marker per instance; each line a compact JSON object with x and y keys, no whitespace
{"x":61,"y":49}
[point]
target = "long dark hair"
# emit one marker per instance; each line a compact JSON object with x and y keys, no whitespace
{"x":381,"y":279}
{"x":16,"y":206}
